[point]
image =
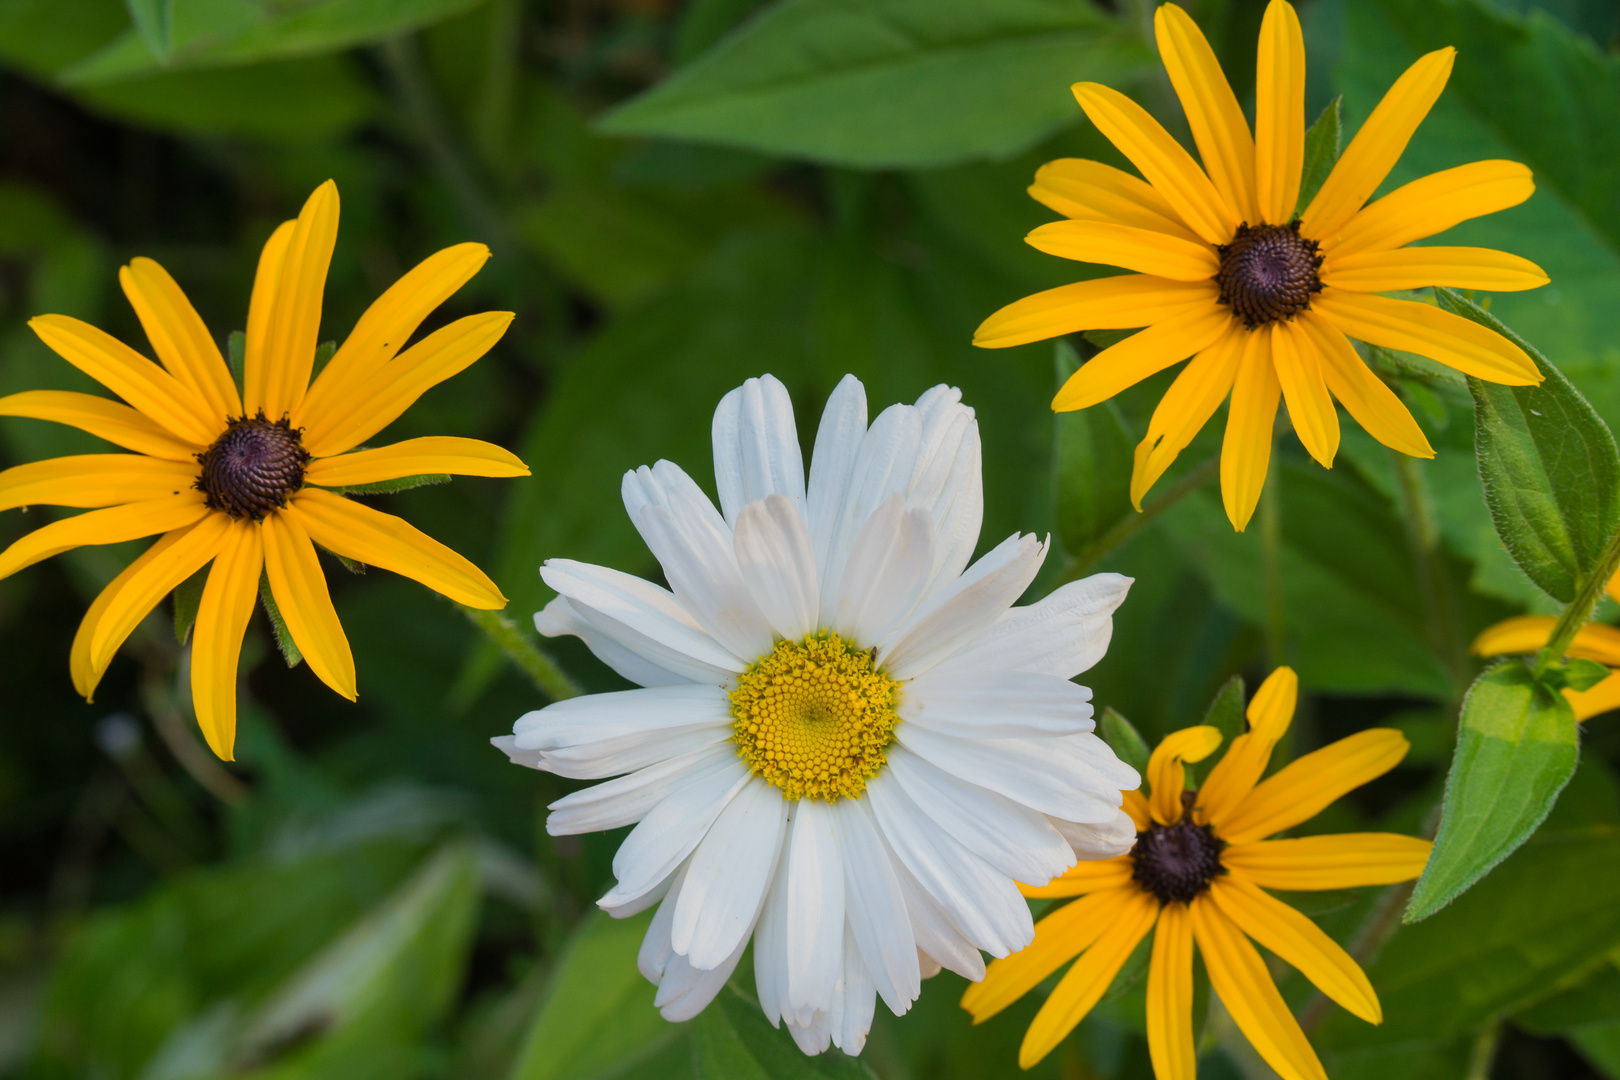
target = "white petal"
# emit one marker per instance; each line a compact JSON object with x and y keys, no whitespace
{"x":666,"y":484}
{"x":637,"y":904}
{"x":686,"y":991}
{"x":669,"y":832}
{"x":1012,"y":839}
{"x":700,"y":564}
{"x":939,"y":939}
{"x":854,"y":1002}
{"x":948,"y":480}
{"x":927,"y":964}
{"x":888,"y":567}
{"x":996,"y":705}
{"x":559,"y":617}
{"x":653,"y":956}
{"x":812,"y":1037}
{"x":507,"y":744}
{"x":625,"y":801}
{"x":774,"y":553}
{"x":1101,"y":841}
{"x":627,"y":753}
{"x":756,"y":447}
{"x":619,"y":713}
{"x":876,"y":909}
{"x":1063,"y":634}
{"x":838,"y":442}
{"x":1052,"y":776}
{"x":882,"y":467}
{"x":727,"y":876}
{"x":770,"y":938}
{"x":815,"y":907}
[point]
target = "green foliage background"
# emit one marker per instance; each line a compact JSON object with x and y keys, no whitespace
{"x":680,"y":195}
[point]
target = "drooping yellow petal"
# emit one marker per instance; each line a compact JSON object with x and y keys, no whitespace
{"x":299,"y":586}
{"x":1170,"y":995}
{"x":1441,"y":336}
{"x":282,"y":330}
{"x":1415,"y":268}
{"x":1085,"y":876}
{"x":360,"y":533}
{"x":1246,"y":450}
{"x":1212,"y":109}
{"x":1530,"y":634}
{"x":1432,"y":204}
{"x":1091,"y":191}
{"x":1113,"y":244}
{"x":113,"y":525}
{"x":1239,"y":976}
{"x":1059,"y":938}
{"x":1310,"y":406}
{"x":105,"y":419}
{"x":1126,"y":363}
{"x":1378,"y":145}
{"x":222,"y":618}
{"x":1161,"y":160}
{"x":1088,"y":979}
{"x":176,"y":408}
{"x":1304,"y":787}
{"x":1344,"y":861}
{"x":86,"y":480}
{"x":1279,"y":108}
{"x":135,"y":592}
{"x":1298,"y":941}
{"x":1165,"y":773}
{"x":179,"y":336}
{"x":1363,"y":394}
{"x":385,"y":328}
{"x":1135,"y":805}
{"x":415,"y":457}
{"x":1599,"y":699}
{"x":1270,"y":712}
{"x":1113,"y":303}
{"x":1185,"y":408}
{"x":396,"y":387}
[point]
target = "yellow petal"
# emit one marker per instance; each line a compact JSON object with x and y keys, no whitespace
{"x":1185,"y":408}
{"x":1432,"y":205}
{"x":1530,"y":633}
{"x":1135,"y":804}
{"x":113,"y":525}
{"x":1415,"y":268}
{"x":415,"y":457}
{"x":1170,"y":995}
{"x":1297,"y":941}
{"x":176,"y":408}
{"x":360,"y":533}
{"x":1113,"y":244}
{"x":1088,"y":979}
{"x":1441,"y":336}
{"x":1344,"y":861}
{"x":1363,"y":394}
{"x":1123,"y":365}
{"x":301,"y":596}
{"x":94,"y":480}
{"x":1304,"y":787}
{"x":136,"y":591}
{"x":1212,"y":109}
{"x":1112,"y":303}
{"x":1599,"y":699}
{"x":179,"y":336}
{"x":110,"y":420}
{"x":385,"y":328}
{"x":283,"y":329}
{"x":1085,"y":876}
{"x":1161,"y":160}
{"x":1270,"y":712}
{"x":1165,"y":774}
{"x":1279,"y":106}
{"x":1092,"y":191}
{"x":1239,"y":976}
{"x":1310,"y":406}
{"x":79,"y":654}
{"x":222,"y":618}
{"x":1059,"y":938}
{"x":435,"y":358}
{"x":1378,"y":145}
{"x":1246,"y":450}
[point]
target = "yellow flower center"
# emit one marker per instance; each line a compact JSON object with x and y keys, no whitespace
{"x":814,"y":717}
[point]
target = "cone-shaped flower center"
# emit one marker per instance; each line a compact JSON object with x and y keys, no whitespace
{"x":1268,"y":273}
{"x":253,"y":468}
{"x":1176,"y":862}
{"x":814,"y":717}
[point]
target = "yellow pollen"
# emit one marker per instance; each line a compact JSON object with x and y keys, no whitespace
{"x":814,"y":718}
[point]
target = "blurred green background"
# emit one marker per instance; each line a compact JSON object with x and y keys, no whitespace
{"x":680,"y":194}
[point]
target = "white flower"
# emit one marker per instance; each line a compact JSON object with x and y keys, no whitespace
{"x":850,"y":746}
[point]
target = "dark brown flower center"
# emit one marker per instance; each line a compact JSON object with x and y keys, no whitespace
{"x":1268,"y":273}
{"x":1176,"y":862}
{"x":252,"y":468}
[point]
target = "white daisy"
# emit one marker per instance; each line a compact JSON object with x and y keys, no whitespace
{"x":850,"y":745}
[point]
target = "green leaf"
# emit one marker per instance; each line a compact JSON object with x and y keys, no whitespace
{"x":284,"y":638}
{"x":323,"y":353}
{"x":153,"y":20}
{"x":1578,"y":674}
{"x":1092,"y":454}
{"x":1226,"y":712}
{"x":1123,"y":738}
{"x":886,"y":83}
{"x":1321,"y":152}
{"x":1593,"y":999}
{"x":398,"y":483}
{"x":236,"y":345}
{"x":732,"y":1040}
{"x":187,"y":599}
{"x":1549,"y":466}
{"x":1516,"y":749}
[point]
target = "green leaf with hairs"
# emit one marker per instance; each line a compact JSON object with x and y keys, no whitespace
{"x":1092,"y":454}
{"x":398,"y":483}
{"x":1123,"y":738}
{"x":187,"y":599}
{"x":284,"y":638}
{"x":1321,"y":153}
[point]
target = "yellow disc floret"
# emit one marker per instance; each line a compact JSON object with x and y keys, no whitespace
{"x":814,"y":717}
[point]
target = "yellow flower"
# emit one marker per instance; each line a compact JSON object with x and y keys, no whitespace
{"x":245,"y":479}
{"x":1594,"y":641}
{"x":1197,"y":873}
{"x":1261,"y":299}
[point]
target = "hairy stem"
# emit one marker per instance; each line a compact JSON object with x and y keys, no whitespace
{"x":541,"y":669}
{"x":1580,"y":609}
{"x":1129,"y":525}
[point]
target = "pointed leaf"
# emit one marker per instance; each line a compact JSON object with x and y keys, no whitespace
{"x":1321,"y":152}
{"x":1091,"y":466}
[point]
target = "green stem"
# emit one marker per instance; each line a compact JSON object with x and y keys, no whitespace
{"x":1271,"y":565}
{"x":1129,"y":525}
{"x":1423,"y":538}
{"x":1483,"y":1055}
{"x":1580,"y":609}
{"x":541,"y":669}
